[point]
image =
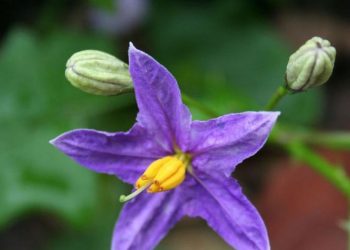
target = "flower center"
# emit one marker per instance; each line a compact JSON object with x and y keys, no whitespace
{"x":161,"y":175}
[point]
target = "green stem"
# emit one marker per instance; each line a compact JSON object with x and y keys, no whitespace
{"x":198,"y":105}
{"x":336,"y":140}
{"x":334,"y":174}
{"x":277,"y":96}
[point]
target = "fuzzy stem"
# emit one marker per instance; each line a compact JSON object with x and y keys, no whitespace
{"x":277,"y":96}
{"x":339,"y":140}
{"x":336,"y":140}
{"x":334,"y":174}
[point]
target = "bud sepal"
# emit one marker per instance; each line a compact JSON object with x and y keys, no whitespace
{"x":311,"y":65}
{"x":98,"y":73}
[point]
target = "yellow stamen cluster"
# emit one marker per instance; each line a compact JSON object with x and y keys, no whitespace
{"x":163,"y":174}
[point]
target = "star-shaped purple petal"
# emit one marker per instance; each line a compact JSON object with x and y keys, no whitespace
{"x":163,"y":126}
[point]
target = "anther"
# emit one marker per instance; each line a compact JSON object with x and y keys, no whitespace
{"x":161,"y":175}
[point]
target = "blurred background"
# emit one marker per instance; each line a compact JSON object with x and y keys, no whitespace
{"x":230,"y":55}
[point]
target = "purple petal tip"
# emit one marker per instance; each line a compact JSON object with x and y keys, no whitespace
{"x":273,"y":114}
{"x":54,"y":141}
{"x":132,"y":47}
{"x":276,"y":114}
{"x":136,"y":52}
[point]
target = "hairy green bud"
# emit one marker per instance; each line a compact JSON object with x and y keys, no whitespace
{"x":98,"y":73}
{"x":311,"y":65}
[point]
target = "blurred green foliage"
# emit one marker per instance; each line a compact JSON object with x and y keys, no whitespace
{"x":103,"y":4}
{"x":227,"y":56}
{"x":37,"y":104}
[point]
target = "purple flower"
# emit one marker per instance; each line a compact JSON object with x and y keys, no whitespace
{"x":185,"y":165}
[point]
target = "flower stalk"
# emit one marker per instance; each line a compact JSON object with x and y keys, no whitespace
{"x":281,"y":92}
{"x":334,"y":174}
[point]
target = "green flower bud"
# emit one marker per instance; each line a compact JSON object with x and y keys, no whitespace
{"x":311,"y":65}
{"x":98,"y":73}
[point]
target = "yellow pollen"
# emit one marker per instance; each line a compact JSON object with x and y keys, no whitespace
{"x":161,"y":175}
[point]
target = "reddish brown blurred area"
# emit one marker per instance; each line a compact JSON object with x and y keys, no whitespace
{"x":301,"y":209}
